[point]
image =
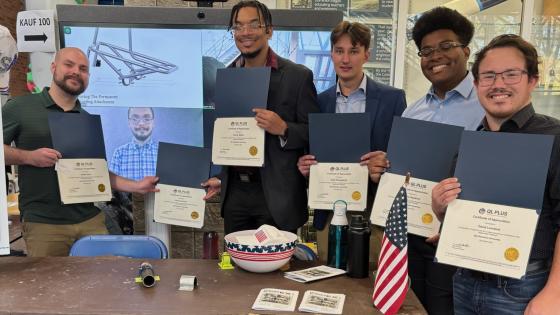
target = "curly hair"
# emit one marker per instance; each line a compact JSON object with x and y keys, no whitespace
{"x":261,"y":8}
{"x":443,"y":18}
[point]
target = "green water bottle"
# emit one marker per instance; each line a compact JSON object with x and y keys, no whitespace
{"x":338,"y":237}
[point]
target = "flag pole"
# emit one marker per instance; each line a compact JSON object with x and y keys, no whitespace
{"x":407,"y":179}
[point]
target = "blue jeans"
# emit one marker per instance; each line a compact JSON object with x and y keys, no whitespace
{"x":496,"y":296}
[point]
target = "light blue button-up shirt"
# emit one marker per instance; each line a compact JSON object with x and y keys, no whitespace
{"x":353,"y":103}
{"x":460,"y":107}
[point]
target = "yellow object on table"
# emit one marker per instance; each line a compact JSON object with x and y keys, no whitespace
{"x":13,"y":206}
{"x":225,"y":262}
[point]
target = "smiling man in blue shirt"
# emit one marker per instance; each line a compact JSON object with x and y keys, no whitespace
{"x":442,"y":36}
{"x":459,"y":106}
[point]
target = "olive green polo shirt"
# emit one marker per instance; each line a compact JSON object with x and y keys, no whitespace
{"x":25,"y":122}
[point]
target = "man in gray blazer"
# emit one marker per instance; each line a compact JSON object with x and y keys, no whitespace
{"x":274,"y":194}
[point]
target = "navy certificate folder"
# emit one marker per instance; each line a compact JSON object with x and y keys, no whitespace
{"x":239,"y":90}
{"x":339,"y":138}
{"x":504,"y":168}
{"x":425,"y":149}
{"x":182,"y":165}
{"x":77,"y":135}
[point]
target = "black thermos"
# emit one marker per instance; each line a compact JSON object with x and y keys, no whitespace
{"x":358,"y":247}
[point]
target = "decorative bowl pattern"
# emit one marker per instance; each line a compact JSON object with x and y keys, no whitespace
{"x":260,"y":258}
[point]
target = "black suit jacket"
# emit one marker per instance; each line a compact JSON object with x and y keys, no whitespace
{"x":383,"y":102}
{"x":292,"y":96}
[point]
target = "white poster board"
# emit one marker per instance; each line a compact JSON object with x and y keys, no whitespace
{"x":35,"y":31}
{"x":4,"y":227}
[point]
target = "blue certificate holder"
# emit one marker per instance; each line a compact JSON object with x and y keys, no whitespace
{"x":491,"y":226}
{"x":181,"y":170}
{"x":427,"y":150}
{"x":239,"y":90}
{"x":82,"y":171}
{"x":182,"y":165}
{"x":504,"y":168}
{"x":77,"y":135}
{"x":338,"y":141}
{"x":340,"y":138}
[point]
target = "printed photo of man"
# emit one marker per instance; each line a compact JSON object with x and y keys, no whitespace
{"x":137,"y":158}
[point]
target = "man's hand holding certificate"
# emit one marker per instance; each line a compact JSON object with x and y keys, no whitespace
{"x":181,"y":169}
{"x":237,"y":138}
{"x":502,"y":178}
{"x":426,"y":150}
{"x":338,"y":141}
{"x":82,"y":171}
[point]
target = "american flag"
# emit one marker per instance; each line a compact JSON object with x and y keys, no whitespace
{"x":261,"y":236}
{"x":391,"y":282}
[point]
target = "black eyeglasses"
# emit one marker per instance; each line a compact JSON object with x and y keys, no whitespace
{"x":509,"y":77}
{"x":443,"y":47}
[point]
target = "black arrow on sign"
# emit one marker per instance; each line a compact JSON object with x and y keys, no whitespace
{"x":35,"y":38}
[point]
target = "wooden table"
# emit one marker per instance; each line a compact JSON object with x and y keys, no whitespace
{"x":104,"y":285}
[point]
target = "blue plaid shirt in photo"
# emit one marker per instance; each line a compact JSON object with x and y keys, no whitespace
{"x":135,"y":161}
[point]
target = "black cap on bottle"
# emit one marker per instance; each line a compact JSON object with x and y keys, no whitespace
{"x":357,"y":221}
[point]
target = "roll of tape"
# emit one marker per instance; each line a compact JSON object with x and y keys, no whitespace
{"x":187,"y":283}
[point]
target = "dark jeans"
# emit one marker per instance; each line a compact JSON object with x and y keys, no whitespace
{"x":245,"y":206}
{"x":503,"y":296}
{"x":431,"y":282}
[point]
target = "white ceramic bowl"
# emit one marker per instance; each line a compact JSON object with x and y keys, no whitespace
{"x":260,"y":258}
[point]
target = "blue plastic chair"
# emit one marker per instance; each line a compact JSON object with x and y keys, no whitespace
{"x":133,"y":246}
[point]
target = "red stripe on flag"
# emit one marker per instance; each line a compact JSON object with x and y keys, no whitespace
{"x":391,"y":283}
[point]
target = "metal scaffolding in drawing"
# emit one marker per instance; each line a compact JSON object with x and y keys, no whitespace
{"x":136,"y":65}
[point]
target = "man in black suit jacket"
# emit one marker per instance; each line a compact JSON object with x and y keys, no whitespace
{"x":356,"y":92}
{"x":276,"y":193}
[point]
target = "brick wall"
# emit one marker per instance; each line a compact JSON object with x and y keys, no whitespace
{"x":9,"y":10}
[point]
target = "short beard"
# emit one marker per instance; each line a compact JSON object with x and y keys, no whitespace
{"x":63,"y":86}
{"x":142,"y":138}
{"x":251,"y":55}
